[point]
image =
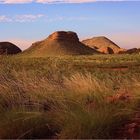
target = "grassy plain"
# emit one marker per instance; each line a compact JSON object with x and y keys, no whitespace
{"x":91,"y":96}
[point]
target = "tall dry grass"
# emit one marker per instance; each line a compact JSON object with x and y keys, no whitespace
{"x":79,"y":106}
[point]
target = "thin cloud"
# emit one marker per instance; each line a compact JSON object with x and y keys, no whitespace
{"x":21,"y":18}
{"x":27,"y":18}
{"x":33,"y":18}
{"x":15,"y":1}
{"x":4,"y":18}
{"x":64,"y":1}
{"x":51,"y":1}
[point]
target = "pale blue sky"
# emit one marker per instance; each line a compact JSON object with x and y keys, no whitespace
{"x":28,"y":22}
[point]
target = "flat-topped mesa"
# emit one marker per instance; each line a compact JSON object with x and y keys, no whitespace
{"x":63,"y":35}
{"x":60,"y":43}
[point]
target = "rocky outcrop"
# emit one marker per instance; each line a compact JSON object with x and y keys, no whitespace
{"x":60,"y":43}
{"x":102,"y":44}
{"x":65,"y":36}
{"x":7,"y":48}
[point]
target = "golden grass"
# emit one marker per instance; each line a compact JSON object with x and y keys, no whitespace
{"x":85,"y":83}
{"x":57,"y":105}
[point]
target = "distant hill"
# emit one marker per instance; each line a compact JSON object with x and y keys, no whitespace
{"x":60,"y":43}
{"x":8,"y":48}
{"x":102,"y":44}
{"x":131,"y":51}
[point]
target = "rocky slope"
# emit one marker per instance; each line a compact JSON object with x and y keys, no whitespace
{"x":60,"y":43}
{"x":102,"y":44}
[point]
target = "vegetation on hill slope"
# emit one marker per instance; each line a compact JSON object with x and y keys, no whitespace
{"x":60,"y":43}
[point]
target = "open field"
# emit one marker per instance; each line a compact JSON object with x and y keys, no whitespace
{"x":95,"y":96}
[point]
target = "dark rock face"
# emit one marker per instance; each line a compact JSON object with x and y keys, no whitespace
{"x":110,"y":50}
{"x":8,"y":48}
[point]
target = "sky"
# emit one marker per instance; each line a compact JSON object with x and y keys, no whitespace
{"x":26,"y":21}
